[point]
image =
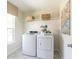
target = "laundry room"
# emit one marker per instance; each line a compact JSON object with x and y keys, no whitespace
{"x":39,"y":29}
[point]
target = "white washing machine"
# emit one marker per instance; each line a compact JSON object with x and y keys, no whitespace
{"x":29,"y":45}
{"x":45,"y":46}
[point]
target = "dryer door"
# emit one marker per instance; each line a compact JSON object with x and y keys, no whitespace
{"x":45,"y":47}
{"x":44,"y":42}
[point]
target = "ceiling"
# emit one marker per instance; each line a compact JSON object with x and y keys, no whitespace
{"x":33,"y":5}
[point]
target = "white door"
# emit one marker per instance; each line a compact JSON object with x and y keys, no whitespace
{"x":67,"y":52}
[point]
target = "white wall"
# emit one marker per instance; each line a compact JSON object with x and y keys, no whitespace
{"x":53,"y":25}
{"x":63,"y":4}
{"x":19,"y":30}
{"x":53,"y":12}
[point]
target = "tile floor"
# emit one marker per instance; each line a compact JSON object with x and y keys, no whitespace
{"x":19,"y":55}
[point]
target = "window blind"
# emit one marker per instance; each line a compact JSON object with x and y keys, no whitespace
{"x":11,"y":9}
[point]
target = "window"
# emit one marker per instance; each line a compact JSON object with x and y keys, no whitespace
{"x":11,"y":28}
